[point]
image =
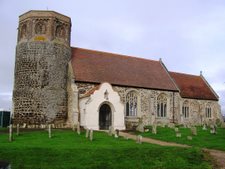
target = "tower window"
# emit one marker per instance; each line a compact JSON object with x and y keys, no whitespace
{"x":60,"y":31}
{"x":40,"y":28}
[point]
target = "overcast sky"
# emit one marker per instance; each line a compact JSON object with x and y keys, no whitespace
{"x":189,"y":35}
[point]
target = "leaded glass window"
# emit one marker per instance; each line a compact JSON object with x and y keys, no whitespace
{"x":131,"y":104}
{"x":185,"y":110}
{"x":208,"y":112}
{"x":161,"y":106}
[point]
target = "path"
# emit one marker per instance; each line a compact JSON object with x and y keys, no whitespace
{"x":219,"y":156}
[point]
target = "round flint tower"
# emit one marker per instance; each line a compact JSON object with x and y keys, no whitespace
{"x":42,"y":55}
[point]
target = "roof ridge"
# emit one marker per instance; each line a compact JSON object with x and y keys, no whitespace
{"x":184,"y":73}
{"x":115,"y":54}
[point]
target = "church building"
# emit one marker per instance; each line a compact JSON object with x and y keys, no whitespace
{"x":60,"y":84}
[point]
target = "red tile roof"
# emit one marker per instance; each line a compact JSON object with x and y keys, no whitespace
{"x":192,"y":86}
{"x":91,"y":91}
{"x":97,"y":67}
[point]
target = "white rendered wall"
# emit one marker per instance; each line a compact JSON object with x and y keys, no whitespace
{"x":89,"y":108}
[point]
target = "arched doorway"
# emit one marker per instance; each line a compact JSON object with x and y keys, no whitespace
{"x":105,"y":117}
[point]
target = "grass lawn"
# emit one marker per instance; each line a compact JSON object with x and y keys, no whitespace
{"x":203,"y":139}
{"x":67,"y":150}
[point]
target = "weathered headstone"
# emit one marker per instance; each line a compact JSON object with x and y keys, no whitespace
{"x":73,"y":127}
{"x":10,"y":133}
{"x":49,"y":131}
{"x":178,"y":134}
{"x":110,"y":132}
{"x":176,"y":129}
{"x":189,"y":137}
{"x":87,"y":133}
{"x":154,"y":129}
{"x":146,"y":129}
{"x":140,"y":127}
{"x":171,"y":125}
{"x":139,"y":139}
{"x":91,"y":135}
{"x":116,"y":135}
{"x":194,"y":131}
{"x":204,"y":127}
{"x":117,"y":132}
{"x":43,"y":126}
{"x":24,"y":125}
{"x":212,"y":129}
{"x":78,"y":128}
{"x":17,"y":129}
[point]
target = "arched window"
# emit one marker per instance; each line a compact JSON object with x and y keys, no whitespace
{"x":185,"y":109}
{"x":40,"y":28}
{"x":131,"y":104}
{"x":23,"y":31}
{"x":60,"y":31}
{"x":161,"y":105}
{"x":208,"y":111}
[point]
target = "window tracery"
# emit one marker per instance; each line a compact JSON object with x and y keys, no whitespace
{"x":40,"y":28}
{"x":60,"y":31}
{"x":208,"y":111}
{"x":185,"y":109}
{"x":23,"y":31}
{"x":162,"y":106}
{"x":131,"y":103}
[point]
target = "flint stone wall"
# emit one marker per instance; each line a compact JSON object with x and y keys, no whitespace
{"x":40,"y":86}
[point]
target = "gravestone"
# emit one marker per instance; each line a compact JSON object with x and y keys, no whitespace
{"x":73,"y":127}
{"x":115,"y":135}
{"x":139,"y":139}
{"x":212,"y":129}
{"x":204,"y":127}
{"x":140,"y":127}
{"x":110,"y":132}
{"x":17,"y":129}
{"x":78,"y":128}
{"x":178,"y":134}
{"x":87,"y":133}
{"x":117,"y":132}
{"x":91,"y":135}
{"x":154,"y":129}
{"x":24,"y":125}
{"x":189,"y":137}
{"x":146,"y":129}
{"x":49,"y":131}
{"x":194,"y":131}
{"x":171,"y":125}
{"x":10,"y":133}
